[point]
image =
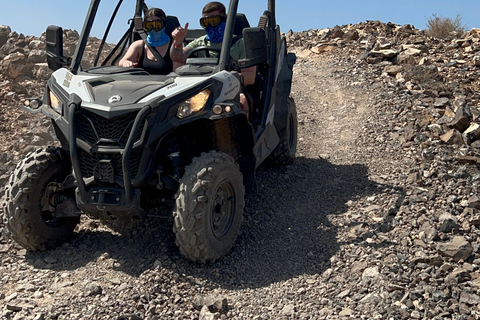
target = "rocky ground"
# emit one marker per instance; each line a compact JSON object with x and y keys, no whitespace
{"x":378,"y":218}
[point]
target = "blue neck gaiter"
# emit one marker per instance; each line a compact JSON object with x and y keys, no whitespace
{"x":157,"y":38}
{"x":215,"y":35}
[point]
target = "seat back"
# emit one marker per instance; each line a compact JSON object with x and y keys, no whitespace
{"x":241,"y":23}
{"x":170,"y":25}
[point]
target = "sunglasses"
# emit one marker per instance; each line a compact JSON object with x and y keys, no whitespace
{"x":212,"y":21}
{"x":155,"y":25}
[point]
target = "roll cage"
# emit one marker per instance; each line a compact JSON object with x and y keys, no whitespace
{"x":256,"y":51}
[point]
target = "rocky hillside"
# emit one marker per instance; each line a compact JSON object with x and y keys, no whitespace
{"x":378,"y":218}
{"x":442,"y":75}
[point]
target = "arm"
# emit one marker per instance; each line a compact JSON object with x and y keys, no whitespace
{"x":238,"y":52}
{"x":178,"y":52}
{"x":133,"y":55}
{"x":249,"y":75}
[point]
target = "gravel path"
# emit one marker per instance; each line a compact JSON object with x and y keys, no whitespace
{"x":341,"y":233}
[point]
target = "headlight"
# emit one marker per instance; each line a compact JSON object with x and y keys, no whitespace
{"x":32,"y":103}
{"x":54,"y":102}
{"x":194,"y":104}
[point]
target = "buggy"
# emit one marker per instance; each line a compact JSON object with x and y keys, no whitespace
{"x":135,"y":145}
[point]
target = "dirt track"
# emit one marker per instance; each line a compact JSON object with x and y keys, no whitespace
{"x":323,"y":239}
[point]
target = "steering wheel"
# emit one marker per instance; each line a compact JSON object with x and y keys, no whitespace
{"x":194,"y":52}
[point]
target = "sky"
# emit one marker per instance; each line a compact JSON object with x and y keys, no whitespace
{"x":31,"y":17}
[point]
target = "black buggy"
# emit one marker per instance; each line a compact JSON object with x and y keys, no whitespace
{"x":135,"y":145}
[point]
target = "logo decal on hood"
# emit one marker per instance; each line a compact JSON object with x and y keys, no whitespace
{"x":114,"y":99}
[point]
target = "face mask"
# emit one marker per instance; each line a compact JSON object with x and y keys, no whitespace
{"x":215,"y":35}
{"x":157,"y":38}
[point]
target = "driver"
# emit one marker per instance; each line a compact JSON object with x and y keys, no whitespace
{"x":213,"y":21}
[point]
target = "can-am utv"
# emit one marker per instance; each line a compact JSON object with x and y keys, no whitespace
{"x":133,"y":144}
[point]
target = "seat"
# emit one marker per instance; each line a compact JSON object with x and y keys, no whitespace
{"x":170,"y":25}
{"x":241,"y":23}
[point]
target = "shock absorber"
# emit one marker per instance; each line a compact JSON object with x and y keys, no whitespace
{"x":56,"y":199}
{"x":174,"y":156}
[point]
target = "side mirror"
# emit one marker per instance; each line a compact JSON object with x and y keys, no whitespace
{"x":255,"y":47}
{"x":54,"y":47}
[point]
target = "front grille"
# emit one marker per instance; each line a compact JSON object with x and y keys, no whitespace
{"x":92,"y":128}
{"x":134,"y":162}
{"x":99,"y":131}
{"x":89,"y":161}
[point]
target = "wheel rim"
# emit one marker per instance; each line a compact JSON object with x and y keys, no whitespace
{"x":223,"y":210}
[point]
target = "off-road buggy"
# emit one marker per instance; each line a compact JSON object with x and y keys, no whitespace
{"x":133,"y":144}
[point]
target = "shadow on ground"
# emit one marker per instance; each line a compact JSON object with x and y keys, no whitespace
{"x":286,"y":231}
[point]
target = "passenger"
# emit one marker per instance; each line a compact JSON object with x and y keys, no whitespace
{"x":213,"y":21}
{"x":139,"y":55}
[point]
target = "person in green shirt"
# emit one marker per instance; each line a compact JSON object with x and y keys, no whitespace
{"x":213,"y":21}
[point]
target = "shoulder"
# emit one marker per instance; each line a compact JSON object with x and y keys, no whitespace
{"x":137,"y":44}
{"x":200,"y":41}
{"x":237,"y":51}
{"x":239,"y":44}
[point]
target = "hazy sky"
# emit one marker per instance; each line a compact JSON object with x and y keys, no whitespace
{"x":31,"y":17}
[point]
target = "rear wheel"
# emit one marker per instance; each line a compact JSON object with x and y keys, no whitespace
{"x":34,"y":196}
{"x":209,"y":207}
{"x":284,"y":153}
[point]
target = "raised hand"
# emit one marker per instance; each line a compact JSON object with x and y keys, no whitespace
{"x":179,"y":34}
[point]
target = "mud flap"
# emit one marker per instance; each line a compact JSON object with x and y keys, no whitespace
{"x":284,"y":85}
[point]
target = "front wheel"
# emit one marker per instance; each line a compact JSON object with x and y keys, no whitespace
{"x":34,"y":196}
{"x":209,"y":207}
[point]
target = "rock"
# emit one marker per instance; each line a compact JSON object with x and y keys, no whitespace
{"x":41,"y":71}
{"x":214,"y":303}
{"x":346,"y":313}
{"x":91,"y":289}
{"x":393,"y":70}
{"x":351,"y":35}
{"x":452,"y":137}
{"x":37,"y":56}
{"x":39,"y":316}
{"x":337,"y":32}
{"x":323,"y":47}
{"x":371,"y":272}
{"x":448,"y":225}
{"x":288,"y":310}
{"x":13,"y":307}
{"x":460,"y":124}
{"x":476,"y":61}
{"x":205,"y":314}
{"x":474,"y":202}
{"x":4,"y":34}
{"x":457,"y":249}
{"x":468,"y":159}
{"x":472,"y":133}
{"x":441,"y":102}
{"x":469,"y":298}
{"x":457,"y":276}
{"x":463,"y":111}
{"x":384,"y":53}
